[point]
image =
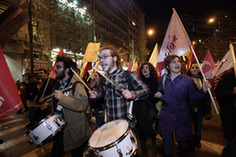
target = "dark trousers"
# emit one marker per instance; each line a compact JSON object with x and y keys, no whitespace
{"x":197,"y":120}
{"x":58,"y":147}
{"x":228,"y":117}
{"x":98,"y":117}
{"x":168,"y":146}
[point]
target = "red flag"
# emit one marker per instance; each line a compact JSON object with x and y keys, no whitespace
{"x":85,"y":69}
{"x":191,"y":58}
{"x":53,"y":73}
{"x":176,"y":41}
{"x":208,"y":64}
{"x":10,"y":100}
{"x":134,"y":68}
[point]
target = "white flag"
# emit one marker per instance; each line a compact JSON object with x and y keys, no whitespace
{"x":227,"y":62}
{"x":176,"y":41}
{"x":154,"y":56}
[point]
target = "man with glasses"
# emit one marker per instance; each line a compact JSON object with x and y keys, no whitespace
{"x":117,"y":102}
{"x":71,"y":105}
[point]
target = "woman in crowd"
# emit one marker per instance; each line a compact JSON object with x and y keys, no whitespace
{"x":201,"y":107}
{"x":97,"y":104}
{"x":149,"y":76}
{"x":175,"y":115}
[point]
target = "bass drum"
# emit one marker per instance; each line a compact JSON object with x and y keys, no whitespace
{"x":46,"y":128}
{"x":114,"y":139}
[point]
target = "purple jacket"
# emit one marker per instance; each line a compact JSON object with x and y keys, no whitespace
{"x":175,"y":110}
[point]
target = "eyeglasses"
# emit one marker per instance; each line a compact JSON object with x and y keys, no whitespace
{"x":104,"y":57}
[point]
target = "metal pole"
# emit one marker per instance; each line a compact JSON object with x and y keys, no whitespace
{"x":30,"y":37}
{"x":132,"y":44}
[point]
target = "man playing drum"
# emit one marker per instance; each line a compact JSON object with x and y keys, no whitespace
{"x":118,"y":89}
{"x":71,"y":105}
{"x":117,"y":104}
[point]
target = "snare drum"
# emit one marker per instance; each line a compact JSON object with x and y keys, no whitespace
{"x":113,"y":139}
{"x":46,"y":128}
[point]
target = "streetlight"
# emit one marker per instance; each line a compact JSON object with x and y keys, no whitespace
{"x":150,"y":32}
{"x":211,"y":20}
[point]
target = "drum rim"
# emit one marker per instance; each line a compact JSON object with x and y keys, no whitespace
{"x":113,"y":143}
{"x":42,"y":120}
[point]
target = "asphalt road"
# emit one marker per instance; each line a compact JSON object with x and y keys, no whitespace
{"x":12,"y":130}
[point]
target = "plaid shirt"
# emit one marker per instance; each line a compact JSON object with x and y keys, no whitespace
{"x":116,"y":105}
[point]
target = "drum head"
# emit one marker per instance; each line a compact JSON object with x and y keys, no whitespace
{"x":108,"y":133}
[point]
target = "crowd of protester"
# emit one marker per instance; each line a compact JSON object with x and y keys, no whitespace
{"x":184,"y":98}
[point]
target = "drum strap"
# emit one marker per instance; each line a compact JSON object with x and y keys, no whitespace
{"x":74,"y":85}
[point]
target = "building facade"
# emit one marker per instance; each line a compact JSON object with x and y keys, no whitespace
{"x":119,"y":22}
{"x":214,"y":35}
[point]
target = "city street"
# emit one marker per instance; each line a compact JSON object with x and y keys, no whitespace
{"x":12,"y":130}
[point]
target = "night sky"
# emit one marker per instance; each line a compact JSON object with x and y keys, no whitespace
{"x":158,"y":12}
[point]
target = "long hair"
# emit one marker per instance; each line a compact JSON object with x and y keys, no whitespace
{"x":113,"y":52}
{"x":189,"y":72}
{"x":153,"y":72}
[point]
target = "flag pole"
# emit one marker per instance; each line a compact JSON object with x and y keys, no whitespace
{"x":231,"y":48}
{"x":204,"y":78}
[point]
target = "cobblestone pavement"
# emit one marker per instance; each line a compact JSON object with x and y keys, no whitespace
{"x":12,"y":130}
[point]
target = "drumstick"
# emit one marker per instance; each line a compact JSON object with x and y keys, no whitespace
{"x":49,"y":96}
{"x":110,"y":81}
{"x":80,"y":79}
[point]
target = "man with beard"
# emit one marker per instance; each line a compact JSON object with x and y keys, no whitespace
{"x":117,"y":105}
{"x":71,"y":105}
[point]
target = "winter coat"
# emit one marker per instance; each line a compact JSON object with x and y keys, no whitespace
{"x":77,"y":129}
{"x":175,"y":114}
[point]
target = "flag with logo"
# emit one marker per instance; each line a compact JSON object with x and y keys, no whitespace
{"x":53,"y":73}
{"x":227,"y":62}
{"x":154,"y":56}
{"x":208,"y":64}
{"x":176,"y":41}
{"x":10,"y":100}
